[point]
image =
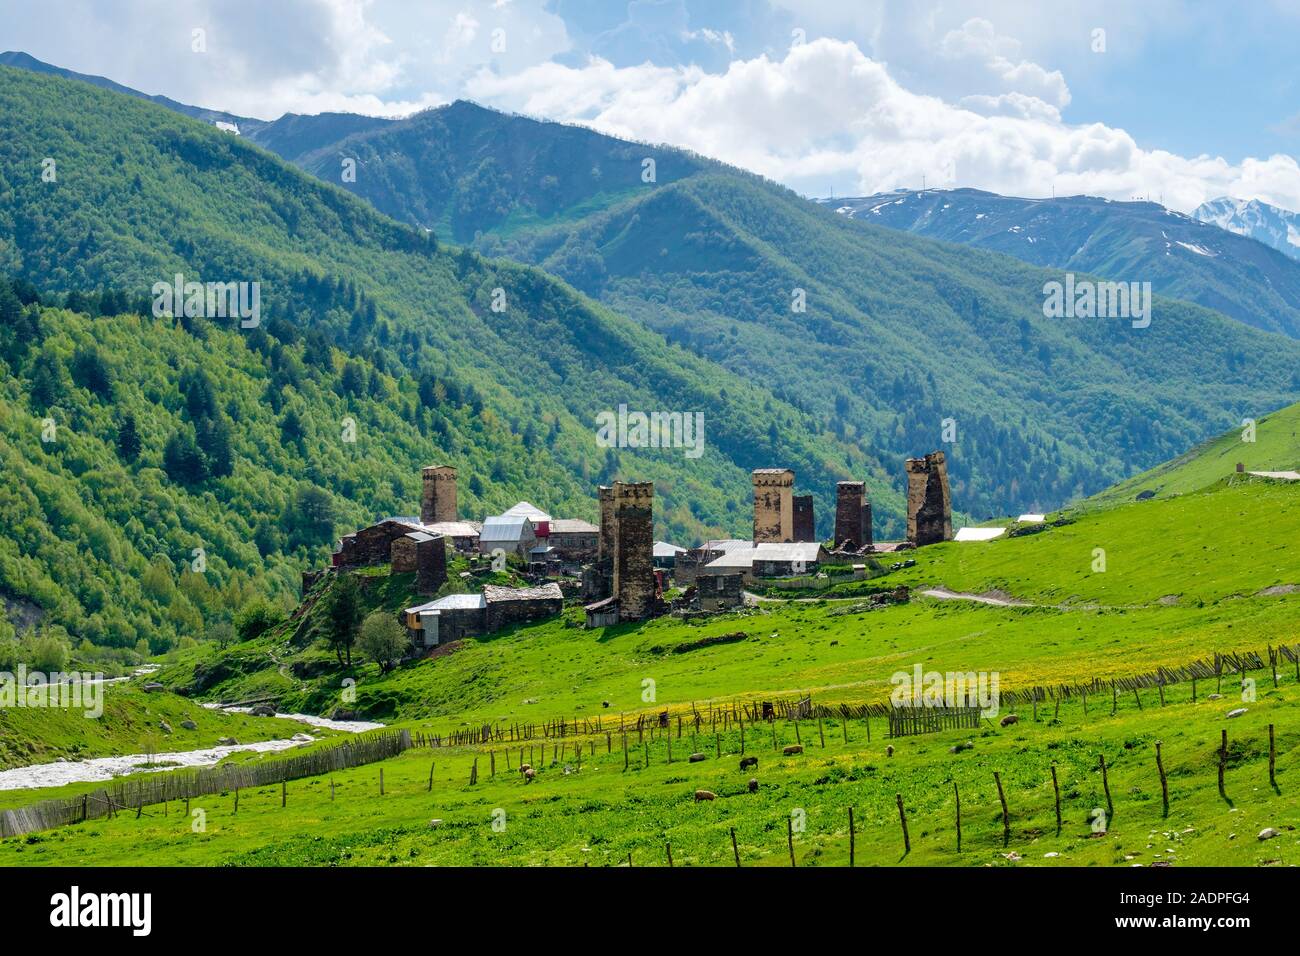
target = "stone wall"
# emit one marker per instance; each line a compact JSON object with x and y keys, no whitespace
{"x":719,"y":592}
{"x":634,"y":577}
{"x":805,"y":524}
{"x":438,"y":496}
{"x":773,"y":505}
{"x":506,"y":606}
{"x":372,"y":545}
{"x":929,"y":505}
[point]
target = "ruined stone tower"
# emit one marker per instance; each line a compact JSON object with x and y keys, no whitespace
{"x":438,"y":499}
{"x":805,"y":524}
{"x":773,"y":504}
{"x":634,"y":574}
{"x":852,"y":516}
{"x":929,"y":507}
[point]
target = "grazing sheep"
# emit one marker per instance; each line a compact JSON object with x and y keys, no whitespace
{"x":695,"y":758}
{"x":705,"y":795}
{"x":793,"y":749}
{"x":753,"y":785}
{"x":525,"y":767}
{"x":529,"y":774}
{"x":747,"y":762}
{"x":1008,"y":720}
{"x":889,"y":751}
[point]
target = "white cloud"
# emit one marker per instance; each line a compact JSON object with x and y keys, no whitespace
{"x":827,"y":114}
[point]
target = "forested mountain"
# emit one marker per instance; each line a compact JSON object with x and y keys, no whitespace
{"x":1181,"y":256}
{"x":362,"y":318}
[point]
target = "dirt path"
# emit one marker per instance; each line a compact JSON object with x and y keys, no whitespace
{"x":996,"y":598}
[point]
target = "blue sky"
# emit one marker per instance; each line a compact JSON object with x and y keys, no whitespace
{"x":1180,"y":99}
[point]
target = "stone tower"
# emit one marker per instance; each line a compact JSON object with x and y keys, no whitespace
{"x":805,"y":524}
{"x":438,"y":500}
{"x":852,"y":516}
{"x":773,"y":505}
{"x":929,"y":507}
{"x":634,"y":568}
{"x":608,"y":523}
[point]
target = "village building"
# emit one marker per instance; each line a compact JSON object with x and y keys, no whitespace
{"x":574,"y":540}
{"x":627,"y":526}
{"x":690,"y":562}
{"x":458,"y":616}
{"x":513,"y":534}
{"x":665,"y":555}
{"x":805,"y":523}
{"x":768,"y":560}
{"x":720,"y":592}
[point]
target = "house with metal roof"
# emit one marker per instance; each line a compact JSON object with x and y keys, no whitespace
{"x":513,"y":534}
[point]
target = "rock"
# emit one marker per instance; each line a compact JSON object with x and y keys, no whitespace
{"x":227,"y":742}
{"x":153,"y":687}
{"x":1268,"y":833}
{"x":1050,"y":856}
{"x":1008,"y":720}
{"x":1236,"y":713}
{"x":302,"y":738}
{"x":753,"y":785}
{"x":1215,"y":697}
{"x":695,"y":758}
{"x":262,"y":710}
{"x":338,"y":713}
{"x":164,"y":726}
{"x":189,"y":725}
{"x":792,"y":749}
{"x":705,"y":795}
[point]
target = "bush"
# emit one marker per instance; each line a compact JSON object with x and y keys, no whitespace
{"x":255,"y":618}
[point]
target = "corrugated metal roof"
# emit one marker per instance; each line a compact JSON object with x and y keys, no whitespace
{"x":453,"y":529}
{"x":504,"y":528}
{"x":740,"y":559}
{"x":452,"y":602}
{"x":665,"y":550}
{"x":806,"y":551}
{"x":726,"y":544}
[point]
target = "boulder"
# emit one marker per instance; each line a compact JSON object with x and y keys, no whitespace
{"x":1268,"y":833}
{"x":262,"y":710}
{"x":1236,"y":713}
{"x":338,"y":713}
{"x":164,"y":726}
{"x":188,"y":724}
{"x":153,"y":687}
{"x":227,"y":742}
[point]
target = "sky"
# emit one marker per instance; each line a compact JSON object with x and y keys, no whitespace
{"x":1175,"y":100}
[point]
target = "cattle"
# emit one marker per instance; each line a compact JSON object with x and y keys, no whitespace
{"x":705,"y":795}
{"x":747,"y":762}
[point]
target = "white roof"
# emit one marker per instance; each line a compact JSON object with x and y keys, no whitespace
{"x":726,"y":544}
{"x":525,"y":510}
{"x":806,"y":551}
{"x":979,"y":534}
{"x":453,"y":529}
{"x":504,"y":528}
{"x":572,"y":526}
{"x":1032,"y":519}
{"x":665,"y":550}
{"x":738,"y":559}
{"x":1282,"y":475}
{"x":452,"y":602}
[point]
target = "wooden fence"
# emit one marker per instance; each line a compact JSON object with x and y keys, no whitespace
{"x":137,"y":791}
{"x":906,"y":721}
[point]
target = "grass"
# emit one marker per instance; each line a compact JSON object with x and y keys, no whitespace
{"x":598,"y":813}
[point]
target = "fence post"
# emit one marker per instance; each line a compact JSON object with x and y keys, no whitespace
{"x":1223,"y":760}
{"x":902,"y":818}
{"x":1006,"y":817}
{"x":1057,"y":790}
{"x":734,"y":847}
{"x":957,"y":796}
{"x":852,"y":836}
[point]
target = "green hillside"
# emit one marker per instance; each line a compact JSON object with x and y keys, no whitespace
{"x":362,"y":319}
{"x":1272,"y":444}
